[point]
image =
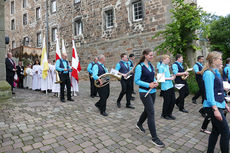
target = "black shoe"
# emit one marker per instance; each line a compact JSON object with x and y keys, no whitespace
{"x":104,"y":114}
{"x":134,"y":93}
{"x":201,"y":111}
{"x":70,"y":99}
{"x":92,"y":96}
{"x":132,"y":98}
{"x":13,"y":93}
{"x":172,"y":117}
{"x":167,"y":117}
{"x":118,"y":104}
{"x":183,"y":110}
{"x":130,"y":106}
{"x":157,"y":142}
{"x":194,"y":101}
{"x":140,"y":127}
{"x":62,"y":100}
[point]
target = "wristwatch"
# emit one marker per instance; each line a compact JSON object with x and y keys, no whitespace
{"x":214,"y":109}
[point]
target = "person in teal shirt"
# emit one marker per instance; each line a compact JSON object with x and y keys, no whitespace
{"x":167,"y":89}
{"x":63,"y":68}
{"x":144,"y":77}
{"x":93,"y":89}
{"x":226,"y":71}
{"x":214,"y":103}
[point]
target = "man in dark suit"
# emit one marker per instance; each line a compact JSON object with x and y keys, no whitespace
{"x":20,"y":73}
{"x":10,"y":70}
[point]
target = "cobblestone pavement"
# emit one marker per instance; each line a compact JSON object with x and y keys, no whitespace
{"x":34,"y":122}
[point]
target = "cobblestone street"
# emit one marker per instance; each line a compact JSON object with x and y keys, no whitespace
{"x":34,"y":122}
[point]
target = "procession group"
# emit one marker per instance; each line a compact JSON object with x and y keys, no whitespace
{"x":30,"y":77}
{"x":209,"y":76}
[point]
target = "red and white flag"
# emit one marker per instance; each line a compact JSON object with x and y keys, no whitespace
{"x":75,"y":62}
{"x":58,"y":51}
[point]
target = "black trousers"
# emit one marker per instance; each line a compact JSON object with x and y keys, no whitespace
{"x":93,"y":89}
{"x":169,"y":101}
{"x":132,"y":83}
{"x":183,"y":93}
{"x":148,"y":113}
{"x":218,"y":128}
{"x":20,"y":83}
{"x":104,"y":95}
{"x":10,"y":80}
{"x":201,"y":90}
{"x":64,"y":77}
{"x":125,"y":89}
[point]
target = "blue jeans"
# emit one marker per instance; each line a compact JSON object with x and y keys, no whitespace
{"x":148,"y":113}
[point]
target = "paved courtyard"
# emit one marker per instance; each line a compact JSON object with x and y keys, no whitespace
{"x":34,"y":122}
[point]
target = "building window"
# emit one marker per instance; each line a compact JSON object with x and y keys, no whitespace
{"x":12,"y":7}
{"x":25,"y":19}
{"x":13,"y":44}
{"x":109,"y":18}
{"x":12,"y":24}
{"x":25,"y":41}
{"x":24,"y":3}
{"x":38,"y":13}
{"x":77,"y":1}
{"x":39,"y":39}
{"x":54,"y":34}
{"x":137,"y":10}
{"x":78,"y":28}
{"x":53,"y":6}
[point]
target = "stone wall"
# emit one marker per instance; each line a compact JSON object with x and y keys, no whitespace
{"x":125,"y":36}
{"x":2,"y":42}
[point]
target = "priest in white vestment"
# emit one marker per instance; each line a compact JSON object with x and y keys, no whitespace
{"x":37,"y":73}
{"x":55,"y":86}
{"x":29,"y":75}
{"x":50,"y":78}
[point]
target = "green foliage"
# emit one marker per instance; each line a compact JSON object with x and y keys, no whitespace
{"x":180,"y":33}
{"x":192,"y":84}
{"x":220,"y":35}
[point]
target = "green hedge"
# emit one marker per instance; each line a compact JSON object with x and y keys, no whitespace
{"x":192,"y":84}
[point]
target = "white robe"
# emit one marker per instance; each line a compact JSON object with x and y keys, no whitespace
{"x":50,"y":78}
{"x":25,"y":79}
{"x":29,"y":79}
{"x":36,"y":77}
{"x":55,"y":87}
{"x":74,"y":83}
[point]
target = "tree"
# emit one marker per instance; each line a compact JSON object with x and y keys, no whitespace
{"x":220,"y":35}
{"x":179,"y":35}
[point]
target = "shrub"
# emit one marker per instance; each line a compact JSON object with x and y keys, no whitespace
{"x":192,"y":84}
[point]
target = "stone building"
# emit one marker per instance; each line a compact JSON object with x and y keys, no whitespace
{"x":97,"y":26}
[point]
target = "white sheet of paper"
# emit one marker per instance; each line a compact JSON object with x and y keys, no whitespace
{"x":227,"y":99}
{"x":161,"y":77}
{"x":113,"y":71}
{"x":226,"y":84}
{"x":179,"y":86}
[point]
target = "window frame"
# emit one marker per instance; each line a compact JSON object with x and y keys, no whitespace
{"x":39,"y":42}
{"x":23,"y":21}
{"x":78,"y":1}
{"x":12,"y":8}
{"x":24,"y":3}
{"x":38,"y":8}
{"x":51,"y":6}
{"x":107,"y":18}
{"x":12,"y":26}
{"x":54,"y":37}
{"x":133,"y":10}
{"x":76,"y":23}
